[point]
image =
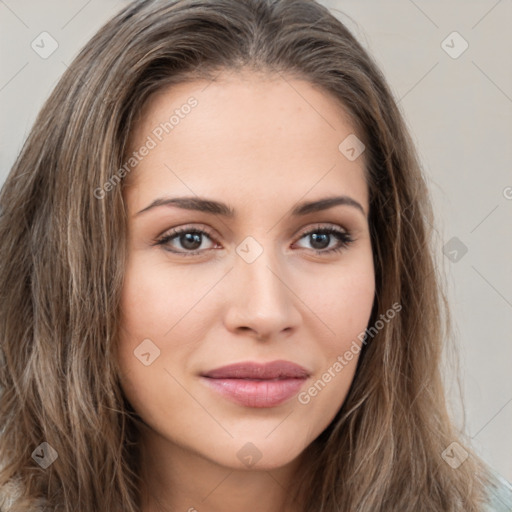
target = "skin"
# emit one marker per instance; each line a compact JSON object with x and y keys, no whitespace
{"x":260,"y":144}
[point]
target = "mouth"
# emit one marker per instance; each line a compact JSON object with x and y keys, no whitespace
{"x":257,"y":385}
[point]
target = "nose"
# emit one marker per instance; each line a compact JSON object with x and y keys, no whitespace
{"x":262,"y":301}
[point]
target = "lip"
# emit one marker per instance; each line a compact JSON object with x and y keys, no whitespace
{"x":258,"y":385}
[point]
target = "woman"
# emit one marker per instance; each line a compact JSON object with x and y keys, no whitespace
{"x":217,"y":286}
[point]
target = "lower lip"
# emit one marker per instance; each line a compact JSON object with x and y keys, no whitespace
{"x":256,"y":393}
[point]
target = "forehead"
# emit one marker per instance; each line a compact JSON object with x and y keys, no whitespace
{"x":245,"y":135}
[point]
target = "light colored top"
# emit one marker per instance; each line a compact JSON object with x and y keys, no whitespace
{"x":500,"y":495}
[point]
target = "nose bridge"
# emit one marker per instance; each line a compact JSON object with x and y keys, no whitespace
{"x":261,"y":301}
{"x":257,"y":267}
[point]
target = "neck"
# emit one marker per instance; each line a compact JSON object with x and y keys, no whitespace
{"x":177,"y":479}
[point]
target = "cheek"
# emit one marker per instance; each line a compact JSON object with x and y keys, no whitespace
{"x":149,"y":309}
{"x":348,"y":318}
{"x":342,"y":300}
{"x":145,"y":317}
{"x":160,"y":325}
{"x":343,"y":303}
{"x":155,"y":297}
{"x":351,"y":305}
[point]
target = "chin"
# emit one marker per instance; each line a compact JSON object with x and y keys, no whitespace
{"x":255,"y":452}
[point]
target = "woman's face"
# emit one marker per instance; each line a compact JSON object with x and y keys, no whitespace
{"x":264,"y":284}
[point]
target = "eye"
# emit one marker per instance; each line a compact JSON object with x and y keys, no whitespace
{"x":322,"y":237}
{"x":190,"y":239}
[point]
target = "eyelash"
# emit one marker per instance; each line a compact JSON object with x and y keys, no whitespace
{"x":344,"y":237}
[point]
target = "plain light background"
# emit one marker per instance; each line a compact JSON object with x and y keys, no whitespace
{"x":458,"y":106}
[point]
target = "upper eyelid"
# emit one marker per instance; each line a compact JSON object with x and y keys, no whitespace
{"x":210,"y":232}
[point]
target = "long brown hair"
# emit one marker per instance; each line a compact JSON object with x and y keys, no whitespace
{"x":63,"y":249}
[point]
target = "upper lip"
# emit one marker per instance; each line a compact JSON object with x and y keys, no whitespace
{"x":258,"y":371}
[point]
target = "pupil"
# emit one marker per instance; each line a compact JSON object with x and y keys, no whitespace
{"x":323,"y":237}
{"x":191,"y":240}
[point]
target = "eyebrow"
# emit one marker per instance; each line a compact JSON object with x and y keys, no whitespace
{"x":218,"y":208}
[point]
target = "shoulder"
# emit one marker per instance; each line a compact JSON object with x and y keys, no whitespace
{"x":499,"y":495}
{"x":12,"y":499}
{"x":9,"y":493}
